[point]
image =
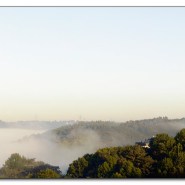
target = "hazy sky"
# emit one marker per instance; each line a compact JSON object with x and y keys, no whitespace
{"x":92,"y":63}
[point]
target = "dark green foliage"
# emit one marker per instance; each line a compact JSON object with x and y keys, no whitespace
{"x":180,"y":138}
{"x":139,"y":157}
{"x":169,"y":155}
{"x":48,"y":174}
{"x":126,"y":168}
{"x":166,"y":168}
{"x":42,"y":171}
{"x":45,"y":174}
{"x":161,"y":146}
{"x":113,"y":162}
{"x":77,"y":168}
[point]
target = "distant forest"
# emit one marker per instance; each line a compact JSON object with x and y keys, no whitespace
{"x":111,"y":133}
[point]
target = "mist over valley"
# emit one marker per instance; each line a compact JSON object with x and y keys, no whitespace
{"x":60,"y":143}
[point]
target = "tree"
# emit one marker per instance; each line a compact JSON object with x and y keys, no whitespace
{"x":126,"y":169}
{"x":180,"y":138}
{"x":130,"y":161}
{"x":77,"y":168}
{"x":42,"y":171}
{"x":13,"y":166}
{"x":166,"y":168}
{"x":47,"y":174}
{"x":161,"y":145}
{"x":104,"y":170}
{"x":15,"y":161}
{"x":17,"y":166}
{"x":138,"y":156}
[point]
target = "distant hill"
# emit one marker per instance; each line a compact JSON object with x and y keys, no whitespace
{"x":115,"y":134}
{"x":37,"y":125}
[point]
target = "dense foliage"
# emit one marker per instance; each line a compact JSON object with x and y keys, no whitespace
{"x":165,"y":158}
{"x":114,"y":162}
{"x":17,"y":166}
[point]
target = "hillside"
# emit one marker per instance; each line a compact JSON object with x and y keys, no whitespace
{"x":115,"y":134}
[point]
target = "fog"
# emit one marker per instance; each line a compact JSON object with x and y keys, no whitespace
{"x":9,"y":144}
{"x":61,"y":146}
{"x":50,"y":149}
{"x":45,"y":147}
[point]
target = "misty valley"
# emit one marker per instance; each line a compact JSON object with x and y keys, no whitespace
{"x":92,"y":149}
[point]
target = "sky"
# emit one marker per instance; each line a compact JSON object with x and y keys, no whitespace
{"x":92,"y":63}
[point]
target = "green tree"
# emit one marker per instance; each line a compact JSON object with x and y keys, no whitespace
{"x":130,"y":161}
{"x":13,"y":166}
{"x":47,"y":174}
{"x":15,"y":161}
{"x":180,"y":138}
{"x":166,"y":169}
{"x":104,"y":170}
{"x":17,"y":166}
{"x":161,"y":146}
{"x":77,"y":168}
{"x":139,"y":157}
{"x":127,"y":169}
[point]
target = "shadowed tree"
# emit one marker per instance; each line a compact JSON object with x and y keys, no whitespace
{"x":180,"y":138}
{"x":161,"y":145}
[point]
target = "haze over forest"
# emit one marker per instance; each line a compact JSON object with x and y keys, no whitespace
{"x":60,"y":143}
